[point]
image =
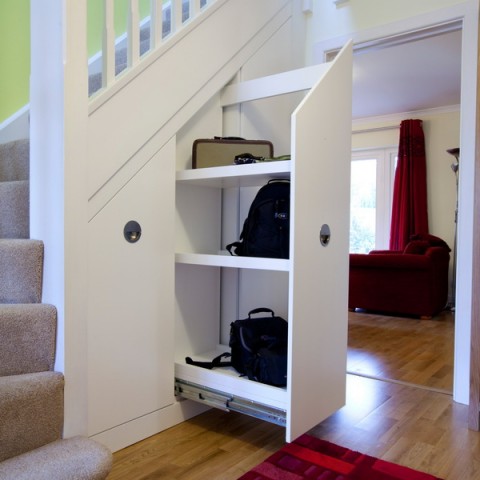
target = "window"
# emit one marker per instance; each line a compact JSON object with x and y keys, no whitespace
{"x":371,"y":198}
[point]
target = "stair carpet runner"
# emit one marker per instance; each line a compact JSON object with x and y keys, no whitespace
{"x":31,"y":392}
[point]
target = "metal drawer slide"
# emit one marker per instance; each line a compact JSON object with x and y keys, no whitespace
{"x":229,"y":402}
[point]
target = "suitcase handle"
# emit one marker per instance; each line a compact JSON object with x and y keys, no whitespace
{"x":260,"y":310}
{"x":228,"y":138}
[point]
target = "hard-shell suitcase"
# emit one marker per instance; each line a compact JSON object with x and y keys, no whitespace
{"x":220,"y":151}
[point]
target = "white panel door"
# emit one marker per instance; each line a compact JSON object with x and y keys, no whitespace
{"x":321,"y":137}
{"x":131,"y":299}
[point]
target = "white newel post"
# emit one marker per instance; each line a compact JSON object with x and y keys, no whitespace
{"x":59,"y":110}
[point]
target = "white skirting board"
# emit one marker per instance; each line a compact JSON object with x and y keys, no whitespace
{"x":140,"y":428}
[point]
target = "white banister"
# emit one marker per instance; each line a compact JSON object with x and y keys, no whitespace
{"x":133,"y":34}
{"x":108,"y":57}
{"x":166,"y":19}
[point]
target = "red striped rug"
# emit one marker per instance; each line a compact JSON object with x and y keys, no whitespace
{"x":311,"y":458}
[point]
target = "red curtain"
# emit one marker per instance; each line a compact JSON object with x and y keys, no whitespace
{"x":409,"y":208}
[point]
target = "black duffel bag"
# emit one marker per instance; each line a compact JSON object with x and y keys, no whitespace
{"x":259,"y":347}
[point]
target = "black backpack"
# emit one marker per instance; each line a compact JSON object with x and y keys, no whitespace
{"x":266,"y":230}
{"x":259,"y":347}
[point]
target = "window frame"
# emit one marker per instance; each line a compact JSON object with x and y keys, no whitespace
{"x":386,"y":158}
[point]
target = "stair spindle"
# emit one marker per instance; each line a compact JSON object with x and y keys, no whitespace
{"x":156,"y":23}
{"x":108,"y":57}
{"x":133,"y":55}
{"x":177,"y":19}
{"x":195,"y":6}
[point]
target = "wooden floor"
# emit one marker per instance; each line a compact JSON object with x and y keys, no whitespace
{"x":418,"y":427}
{"x":403,"y":349}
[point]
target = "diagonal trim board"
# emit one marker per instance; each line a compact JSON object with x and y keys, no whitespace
{"x":153,"y":119}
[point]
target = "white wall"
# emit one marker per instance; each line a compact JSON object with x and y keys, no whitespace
{"x":330,"y":21}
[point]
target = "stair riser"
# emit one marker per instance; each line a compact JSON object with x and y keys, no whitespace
{"x":14,"y":161}
{"x":28,"y":335}
{"x":15,"y":215}
{"x":21,"y":267}
{"x":32,"y":412}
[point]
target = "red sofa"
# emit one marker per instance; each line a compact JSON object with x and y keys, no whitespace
{"x":412,"y":283}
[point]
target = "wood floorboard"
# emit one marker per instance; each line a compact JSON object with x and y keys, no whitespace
{"x":418,"y":426}
{"x":411,"y":426}
{"x":402,"y":349}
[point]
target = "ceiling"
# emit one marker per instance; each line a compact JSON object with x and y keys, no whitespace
{"x":416,"y":75}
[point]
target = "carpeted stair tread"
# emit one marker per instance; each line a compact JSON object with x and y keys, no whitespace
{"x":76,"y":458}
{"x":31,"y":393}
{"x":15,"y":213}
{"x":21,"y":271}
{"x":27,"y":338}
{"x":31,"y":407}
{"x":15,"y":160}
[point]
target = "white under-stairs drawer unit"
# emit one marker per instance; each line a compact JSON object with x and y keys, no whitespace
{"x":309,"y":289}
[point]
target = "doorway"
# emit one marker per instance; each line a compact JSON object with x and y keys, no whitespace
{"x":462,"y":18}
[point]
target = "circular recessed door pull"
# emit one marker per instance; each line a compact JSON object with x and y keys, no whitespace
{"x":325,"y":235}
{"x":132,"y":231}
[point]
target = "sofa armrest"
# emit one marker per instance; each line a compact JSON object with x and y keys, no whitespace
{"x":438,"y":253}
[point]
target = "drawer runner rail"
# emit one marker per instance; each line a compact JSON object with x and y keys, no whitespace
{"x":229,"y":402}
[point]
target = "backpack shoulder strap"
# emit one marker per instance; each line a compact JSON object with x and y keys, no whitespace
{"x":216,"y":362}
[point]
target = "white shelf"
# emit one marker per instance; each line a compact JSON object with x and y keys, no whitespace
{"x":315,"y":280}
{"x":228,"y":380}
{"x":249,"y":175}
{"x":256,"y":263}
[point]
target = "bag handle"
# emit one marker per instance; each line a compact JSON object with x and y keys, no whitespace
{"x":232,"y":248}
{"x":279,"y":180}
{"x":260,"y":310}
{"x":228,"y":138}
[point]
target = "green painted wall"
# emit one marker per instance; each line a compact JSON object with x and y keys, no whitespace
{"x":14,"y":56}
{"x":15,"y":46}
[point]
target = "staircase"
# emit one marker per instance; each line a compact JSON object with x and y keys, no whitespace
{"x":31,"y":392}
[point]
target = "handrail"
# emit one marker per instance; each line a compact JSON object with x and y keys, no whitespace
{"x":166,"y":18}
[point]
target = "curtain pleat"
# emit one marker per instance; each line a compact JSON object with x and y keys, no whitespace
{"x":409,"y":206}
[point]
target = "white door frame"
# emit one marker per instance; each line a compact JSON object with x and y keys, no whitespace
{"x":467,"y":14}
